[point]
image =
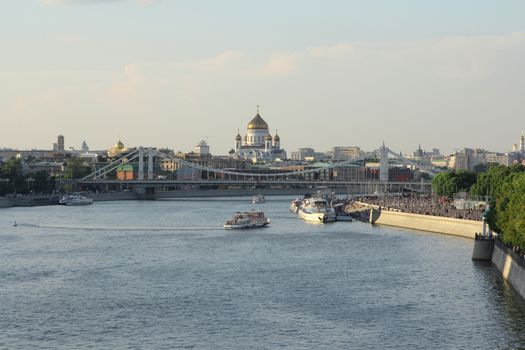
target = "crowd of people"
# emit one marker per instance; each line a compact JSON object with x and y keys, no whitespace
{"x":425,"y":205}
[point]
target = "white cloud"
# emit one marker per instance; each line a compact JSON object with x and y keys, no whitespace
{"x":451,"y":92}
{"x":87,"y":2}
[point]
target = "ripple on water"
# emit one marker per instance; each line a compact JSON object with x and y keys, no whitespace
{"x":165,"y":275}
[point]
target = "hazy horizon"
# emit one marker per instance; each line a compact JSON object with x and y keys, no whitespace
{"x":443,"y":74}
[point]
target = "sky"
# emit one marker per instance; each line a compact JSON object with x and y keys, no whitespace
{"x":445,"y":74}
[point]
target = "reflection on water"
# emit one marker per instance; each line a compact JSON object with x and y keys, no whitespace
{"x":165,"y":274}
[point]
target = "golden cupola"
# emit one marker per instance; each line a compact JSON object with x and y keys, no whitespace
{"x":257,"y":123}
{"x":117,"y":149}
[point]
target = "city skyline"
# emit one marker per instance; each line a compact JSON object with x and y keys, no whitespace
{"x":170,"y":73}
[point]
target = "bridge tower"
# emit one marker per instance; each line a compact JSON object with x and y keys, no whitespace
{"x":141,"y":163}
{"x":383,"y":164}
{"x":151,"y":155}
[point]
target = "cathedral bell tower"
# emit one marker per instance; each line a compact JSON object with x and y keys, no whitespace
{"x":277,"y":141}
{"x":238,"y":140}
{"x":267,"y":143}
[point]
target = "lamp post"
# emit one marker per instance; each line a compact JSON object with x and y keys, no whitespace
{"x":30,"y":181}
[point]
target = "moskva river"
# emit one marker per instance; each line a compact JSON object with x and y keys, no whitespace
{"x":165,"y":275}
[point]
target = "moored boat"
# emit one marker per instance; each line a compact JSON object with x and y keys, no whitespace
{"x":340,"y":213}
{"x":316,"y":209}
{"x":295,"y":205}
{"x":247,"y":219}
{"x":75,"y":199}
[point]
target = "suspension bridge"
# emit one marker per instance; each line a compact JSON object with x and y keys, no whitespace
{"x":350,"y":177}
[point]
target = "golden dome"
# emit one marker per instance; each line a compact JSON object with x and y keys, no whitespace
{"x":119,"y":145}
{"x":268,"y":137}
{"x":257,"y":123}
{"x":117,"y":149}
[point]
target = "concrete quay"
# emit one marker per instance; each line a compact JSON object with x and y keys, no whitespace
{"x":511,"y":265}
{"x":5,"y":202}
{"x":436,"y":224}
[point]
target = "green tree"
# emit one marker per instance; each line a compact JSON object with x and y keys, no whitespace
{"x":510,"y":210}
{"x":449,"y":183}
{"x":12,"y":176}
{"x":484,"y":167}
{"x":465,"y":180}
{"x":41,"y":181}
{"x":76,"y":169}
{"x":496,"y":184}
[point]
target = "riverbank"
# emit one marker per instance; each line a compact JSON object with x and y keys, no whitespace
{"x":511,"y":266}
{"x":5,"y":202}
{"x":436,"y":224}
{"x":429,"y":223}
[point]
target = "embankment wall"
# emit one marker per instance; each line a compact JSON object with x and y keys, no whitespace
{"x":511,"y":265}
{"x":115,"y":196}
{"x":437,"y":224}
{"x":5,"y":202}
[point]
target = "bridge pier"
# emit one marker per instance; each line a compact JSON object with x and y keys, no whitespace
{"x":146,"y":192}
{"x":483,"y":243}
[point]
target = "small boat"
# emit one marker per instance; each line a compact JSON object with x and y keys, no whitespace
{"x":15,"y":224}
{"x":296,"y":205}
{"x":258,"y":199}
{"x":341,"y":214}
{"x":247,"y":219}
{"x":317,"y":209}
{"x":75,"y":199}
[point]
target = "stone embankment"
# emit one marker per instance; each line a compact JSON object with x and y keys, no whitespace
{"x":438,"y":224}
{"x":511,"y":266}
{"x":5,"y":202}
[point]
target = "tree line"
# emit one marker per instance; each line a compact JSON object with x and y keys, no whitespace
{"x":15,"y":178}
{"x":505,"y":188}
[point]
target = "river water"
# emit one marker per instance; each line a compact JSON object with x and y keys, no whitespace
{"x":164,"y":275}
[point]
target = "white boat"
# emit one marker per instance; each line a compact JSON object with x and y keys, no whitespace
{"x":258,"y":199}
{"x":75,"y":199}
{"x":247,"y":219}
{"x":317,"y":210}
{"x":295,"y":205}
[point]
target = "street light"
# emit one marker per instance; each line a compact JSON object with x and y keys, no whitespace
{"x":30,"y":181}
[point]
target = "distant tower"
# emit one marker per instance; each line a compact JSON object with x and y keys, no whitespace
{"x":383,"y":165}
{"x":85,"y":147}
{"x":238,"y":141}
{"x":60,"y":143}
{"x":202,"y":148}
{"x":522,"y":143}
{"x":277,"y":141}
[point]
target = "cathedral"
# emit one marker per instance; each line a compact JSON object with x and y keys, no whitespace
{"x":257,"y":144}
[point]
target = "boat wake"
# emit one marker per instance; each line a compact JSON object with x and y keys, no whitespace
{"x":101,"y":228}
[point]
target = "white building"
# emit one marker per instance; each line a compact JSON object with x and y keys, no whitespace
{"x":202,"y":148}
{"x":257,"y":144}
{"x":520,"y":148}
{"x":346,"y":153}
